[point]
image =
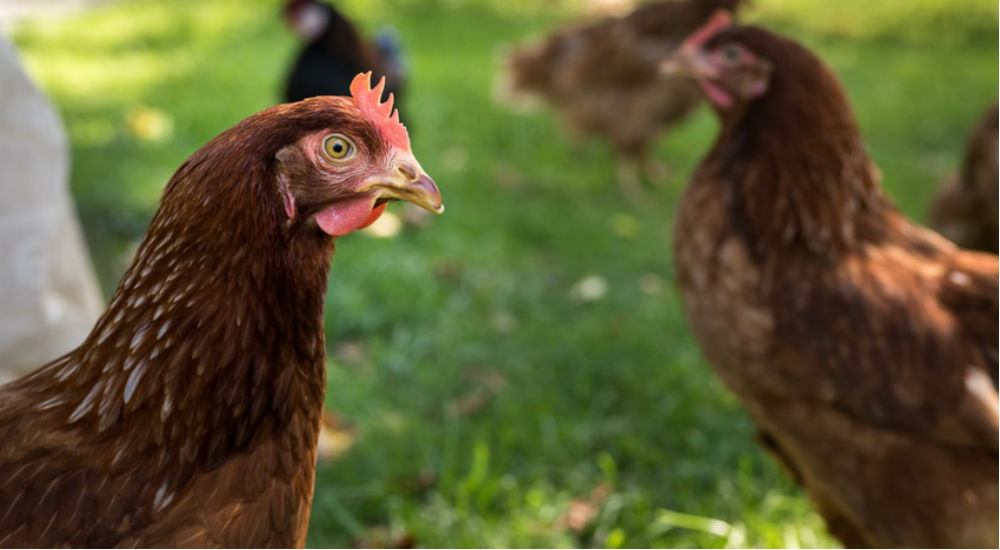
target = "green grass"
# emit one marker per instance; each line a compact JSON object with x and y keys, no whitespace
{"x":609,"y":394}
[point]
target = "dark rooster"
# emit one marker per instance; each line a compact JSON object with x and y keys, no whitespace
{"x":965,"y":208}
{"x":603,"y":78}
{"x":335,"y":52}
{"x":188,"y":417}
{"x":864,"y":346}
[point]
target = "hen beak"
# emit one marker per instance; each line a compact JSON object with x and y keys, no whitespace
{"x":689,"y":61}
{"x":407,"y":181}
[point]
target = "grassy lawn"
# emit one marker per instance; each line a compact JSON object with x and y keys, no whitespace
{"x":496,"y":402}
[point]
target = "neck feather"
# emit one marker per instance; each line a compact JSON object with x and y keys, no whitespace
{"x":796,"y":173}
{"x":213,"y":339}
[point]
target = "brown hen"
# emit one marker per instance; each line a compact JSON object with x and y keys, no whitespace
{"x":965,"y":208}
{"x":603,"y":78}
{"x":189,"y":416}
{"x":864,"y":346}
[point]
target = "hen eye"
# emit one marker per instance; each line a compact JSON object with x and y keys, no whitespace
{"x":338,"y":147}
{"x":732,"y":53}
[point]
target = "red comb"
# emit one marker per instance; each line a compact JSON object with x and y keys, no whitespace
{"x":369,"y":102}
{"x":719,"y":20}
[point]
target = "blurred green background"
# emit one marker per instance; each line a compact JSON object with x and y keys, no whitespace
{"x":519,"y":372}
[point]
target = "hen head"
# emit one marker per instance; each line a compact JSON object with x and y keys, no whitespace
{"x":343,"y":176}
{"x":743,"y":68}
{"x":729,"y":73}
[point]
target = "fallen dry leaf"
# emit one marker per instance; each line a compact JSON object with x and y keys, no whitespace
{"x":589,"y":289}
{"x":335,"y":437}
{"x":579,"y":515}
{"x":582,"y":512}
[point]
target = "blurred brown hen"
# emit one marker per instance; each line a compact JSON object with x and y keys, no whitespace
{"x":864,"y":346}
{"x":189,"y":416}
{"x":965,"y":208}
{"x":603,"y":78}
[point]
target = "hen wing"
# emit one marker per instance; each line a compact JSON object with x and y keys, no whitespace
{"x":903,"y":338}
{"x":54,"y":491}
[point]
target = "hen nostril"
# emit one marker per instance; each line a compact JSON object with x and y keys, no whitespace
{"x":408,"y":171}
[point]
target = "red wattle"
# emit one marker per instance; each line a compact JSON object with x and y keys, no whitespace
{"x":376,"y":213}
{"x":348,"y":215}
{"x":716,"y":94}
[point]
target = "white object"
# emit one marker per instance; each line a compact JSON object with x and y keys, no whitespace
{"x":49,"y":298}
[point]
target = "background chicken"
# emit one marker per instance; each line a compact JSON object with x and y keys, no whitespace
{"x":864,"y":347}
{"x":965,"y":209}
{"x":188,"y":417}
{"x":335,"y":52}
{"x":602,"y":77}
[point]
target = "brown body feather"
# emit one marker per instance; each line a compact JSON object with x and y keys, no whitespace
{"x":189,"y":416}
{"x":965,"y":208}
{"x":864,"y":347}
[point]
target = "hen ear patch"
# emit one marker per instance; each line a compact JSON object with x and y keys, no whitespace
{"x":286,"y":196}
{"x":382,"y":115}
